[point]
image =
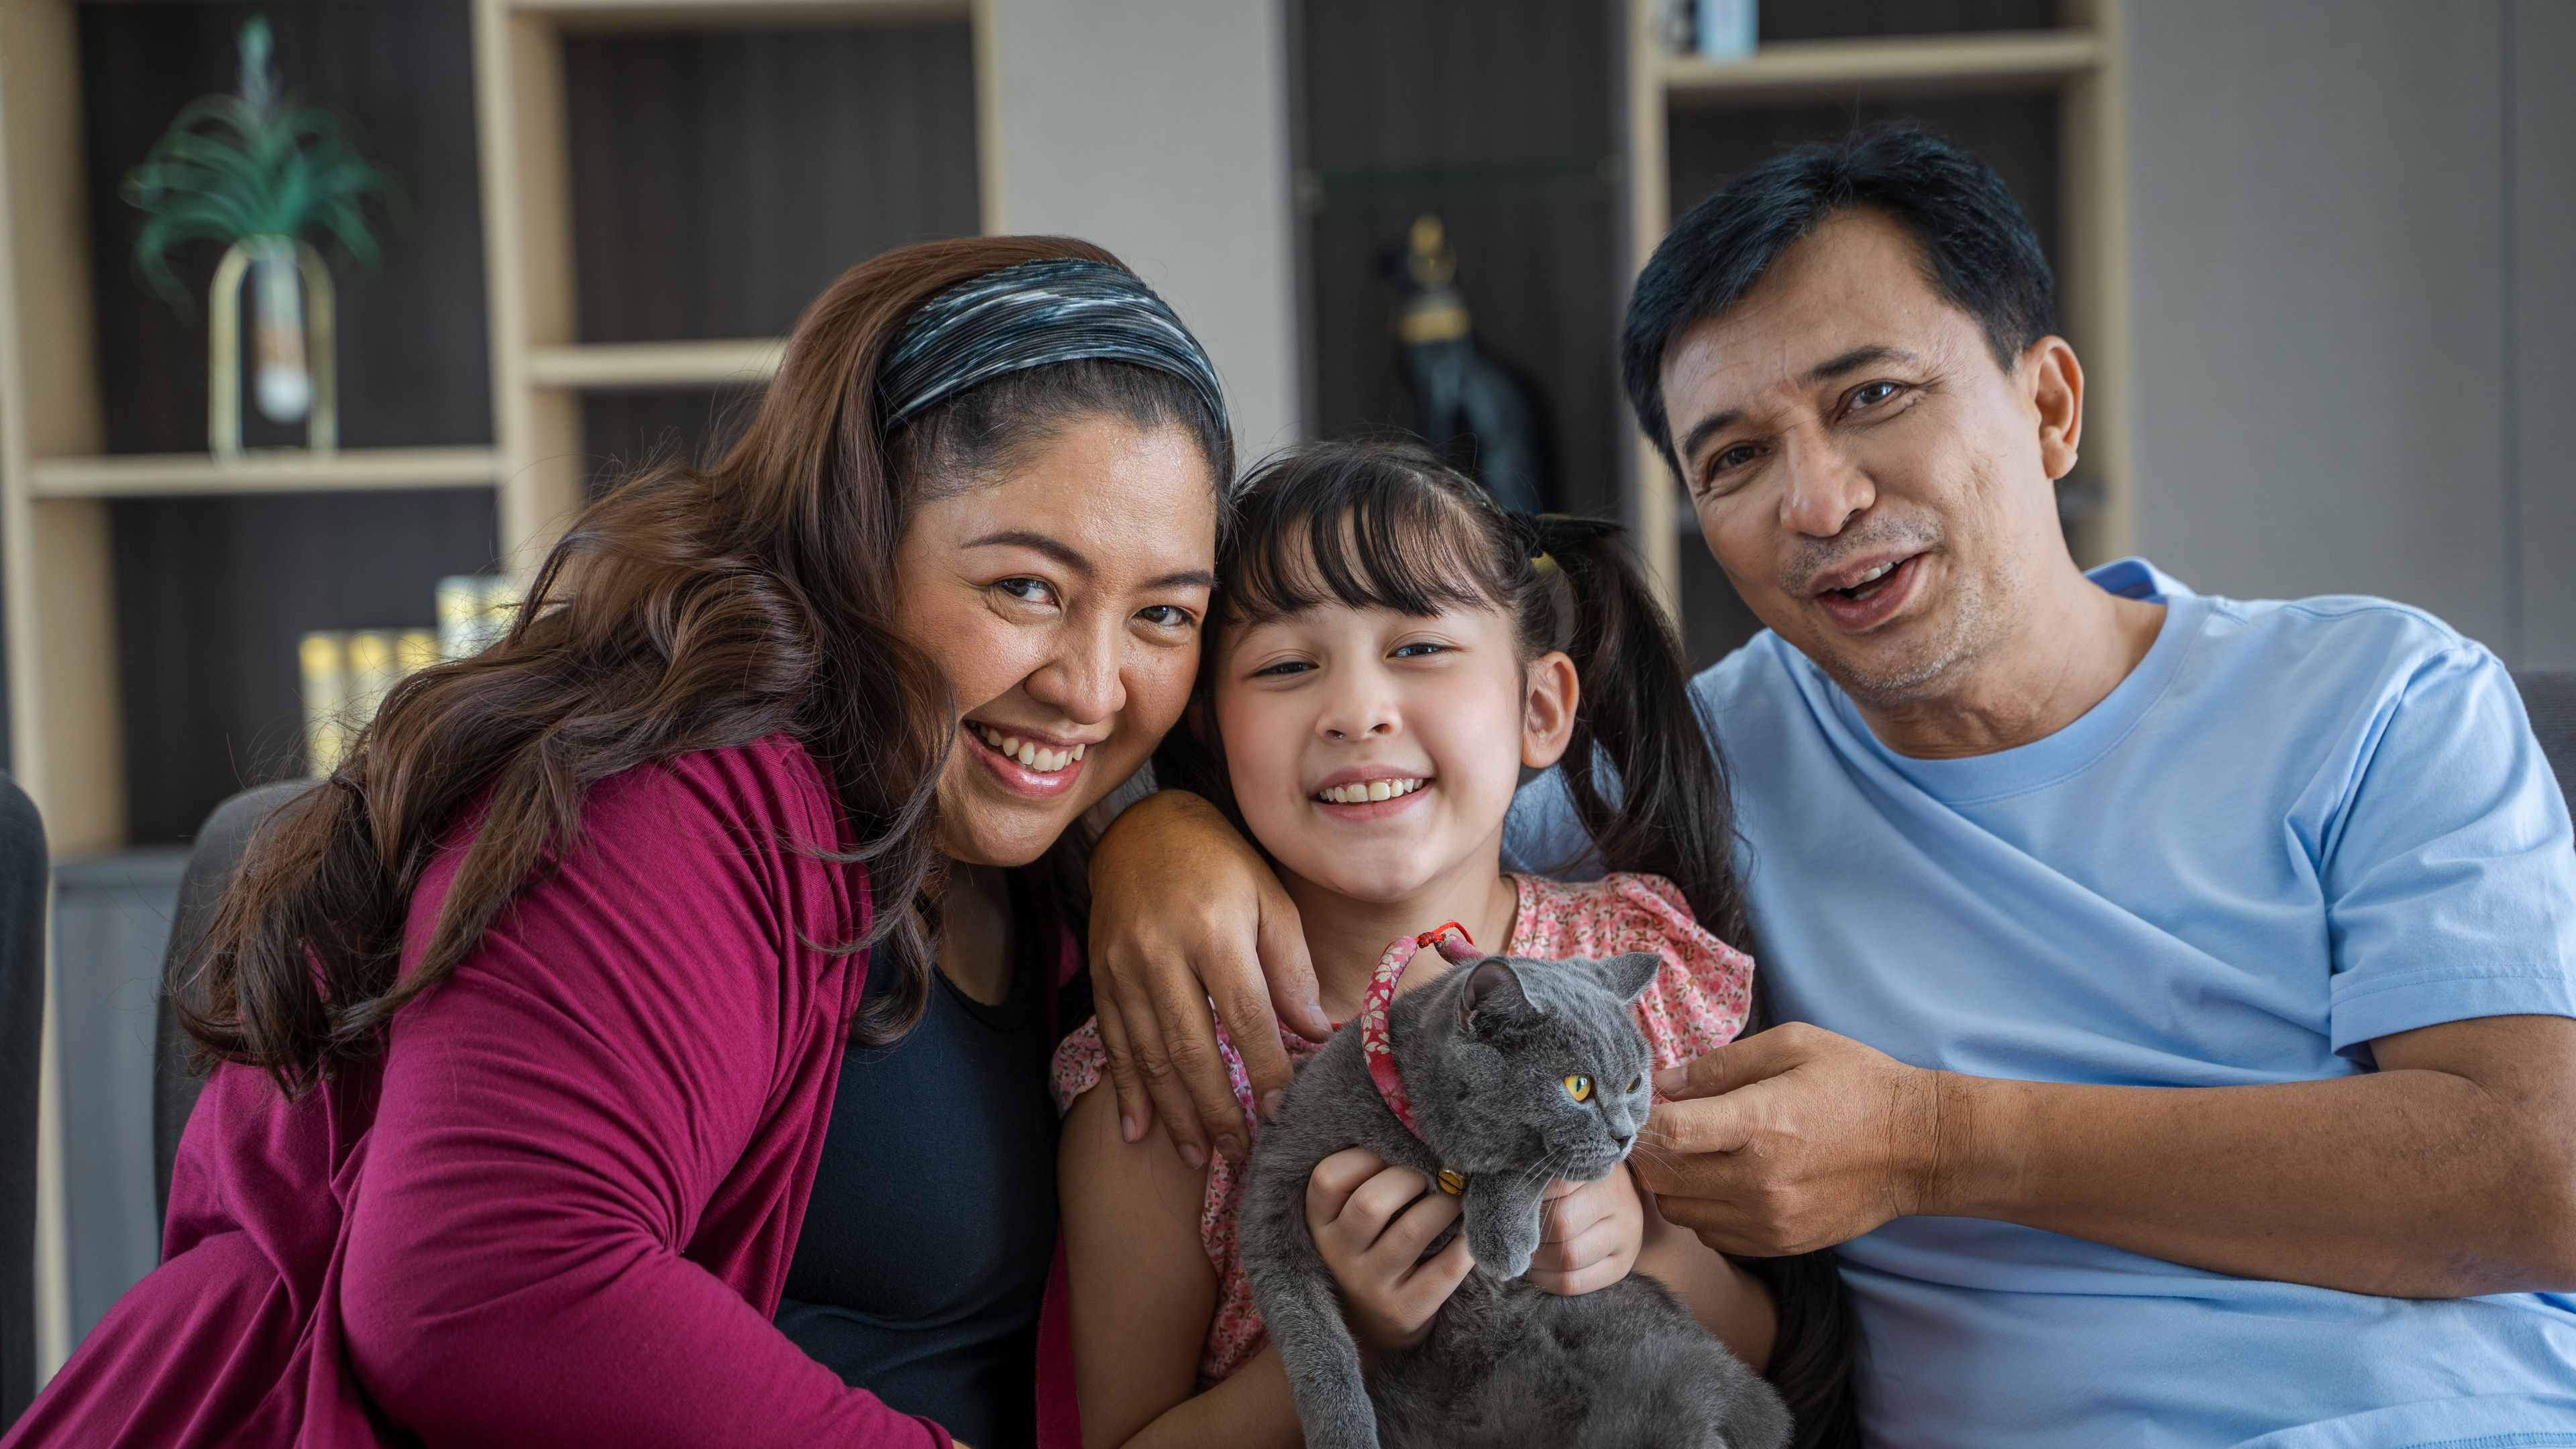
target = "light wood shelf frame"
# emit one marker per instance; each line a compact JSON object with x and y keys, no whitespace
{"x":2080,"y":62}
{"x":2037,"y":57}
{"x":178,"y":475}
{"x":625,"y":366}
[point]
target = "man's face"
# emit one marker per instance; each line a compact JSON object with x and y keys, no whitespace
{"x":1877,"y":488}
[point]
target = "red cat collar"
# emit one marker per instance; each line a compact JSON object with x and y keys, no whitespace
{"x":1374,"y":1042}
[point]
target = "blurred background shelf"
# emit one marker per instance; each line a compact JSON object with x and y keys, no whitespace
{"x":172,"y":475}
{"x":625,"y":366}
{"x":1913,"y":61}
{"x":736,"y":14}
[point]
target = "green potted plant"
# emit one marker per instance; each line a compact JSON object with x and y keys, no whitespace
{"x":260,"y":172}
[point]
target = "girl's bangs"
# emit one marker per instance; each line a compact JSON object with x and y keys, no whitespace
{"x":1366,"y":537}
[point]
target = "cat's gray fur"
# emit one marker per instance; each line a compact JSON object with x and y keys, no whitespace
{"x":1484,"y":1053}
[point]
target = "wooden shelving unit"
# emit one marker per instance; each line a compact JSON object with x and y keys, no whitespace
{"x":2079,"y":63}
{"x":56,"y":482}
{"x":540,"y":367}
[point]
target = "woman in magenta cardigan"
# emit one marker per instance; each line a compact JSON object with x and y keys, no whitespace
{"x":541,"y":1020}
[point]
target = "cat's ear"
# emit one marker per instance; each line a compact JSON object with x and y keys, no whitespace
{"x":1629,"y":975}
{"x":1493,"y":995}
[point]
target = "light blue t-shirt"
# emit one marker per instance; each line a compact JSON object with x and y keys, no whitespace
{"x":2295,"y":827}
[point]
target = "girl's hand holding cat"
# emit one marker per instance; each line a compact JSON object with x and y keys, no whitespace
{"x":1589,"y":1234}
{"x":1371,"y":1223}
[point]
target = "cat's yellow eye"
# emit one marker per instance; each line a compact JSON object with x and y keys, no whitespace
{"x":1633,"y":1081}
{"x":1579,"y":1088}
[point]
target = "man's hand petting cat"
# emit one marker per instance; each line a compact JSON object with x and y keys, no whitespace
{"x":1371,"y":1223}
{"x":1794,"y":1139}
{"x":1589,"y":1234}
{"x":1184,"y":912}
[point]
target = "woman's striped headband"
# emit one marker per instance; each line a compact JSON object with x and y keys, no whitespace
{"x":1062,"y":309}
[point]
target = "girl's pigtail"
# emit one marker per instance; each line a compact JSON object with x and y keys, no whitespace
{"x":1666,"y":809}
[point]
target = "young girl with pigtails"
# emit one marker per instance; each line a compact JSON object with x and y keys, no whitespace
{"x":1390,"y":653}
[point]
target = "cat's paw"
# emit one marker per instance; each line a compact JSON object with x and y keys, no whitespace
{"x":1503,"y":1244}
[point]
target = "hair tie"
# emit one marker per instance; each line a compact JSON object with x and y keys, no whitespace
{"x":1534,"y":529}
{"x":1059,"y":309}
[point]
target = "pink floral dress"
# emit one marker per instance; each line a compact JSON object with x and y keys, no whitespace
{"x":1696,"y":1003}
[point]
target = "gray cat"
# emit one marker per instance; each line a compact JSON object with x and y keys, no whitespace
{"x":1491,"y":1059}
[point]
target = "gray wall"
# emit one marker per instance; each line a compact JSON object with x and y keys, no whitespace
{"x":2543,"y":321}
{"x":2349,"y":260}
{"x":1159,"y":129}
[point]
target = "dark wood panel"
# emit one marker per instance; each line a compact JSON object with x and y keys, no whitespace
{"x":1715,"y":621}
{"x":1857,"y":19}
{"x":626,"y":432}
{"x":414,"y":360}
{"x":1498,"y":116}
{"x":213,"y":595}
{"x":721,"y":179}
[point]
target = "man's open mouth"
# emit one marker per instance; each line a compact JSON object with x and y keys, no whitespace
{"x":1871,"y":582}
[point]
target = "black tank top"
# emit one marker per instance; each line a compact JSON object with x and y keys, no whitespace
{"x":925,"y":1249}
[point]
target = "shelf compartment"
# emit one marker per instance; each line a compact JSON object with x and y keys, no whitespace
{"x":855,"y":138}
{"x":213,"y":598}
{"x":2034,"y":56}
{"x":414,"y":349}
{"x":176,"y":475}
{"x":655,"y":366}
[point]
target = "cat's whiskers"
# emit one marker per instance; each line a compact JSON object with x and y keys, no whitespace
{"x":1659,"y":1156}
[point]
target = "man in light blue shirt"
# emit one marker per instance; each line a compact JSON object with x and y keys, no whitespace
{"x":2177,"y":991}
{"x":2291,"y":831}
{"x":2053,"y":846}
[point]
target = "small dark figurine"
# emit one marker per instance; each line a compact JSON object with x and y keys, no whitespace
{"x":1504,"y":1074}
{"x":1462,"y":392}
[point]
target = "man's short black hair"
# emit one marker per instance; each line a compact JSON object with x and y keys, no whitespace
{"x":1978,"y":250}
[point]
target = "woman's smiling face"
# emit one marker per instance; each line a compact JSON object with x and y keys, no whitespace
{"x":1063,"y":604}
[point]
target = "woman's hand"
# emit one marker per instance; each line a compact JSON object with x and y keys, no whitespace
{"x":1589,"y":1233}
{"x":1183,"y":912}
{"x":1371,"y":1223}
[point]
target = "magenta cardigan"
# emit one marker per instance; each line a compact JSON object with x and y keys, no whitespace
{"x":560,"y":1207}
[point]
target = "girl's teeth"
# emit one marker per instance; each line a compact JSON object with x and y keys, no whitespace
{"x":1372,"y":790}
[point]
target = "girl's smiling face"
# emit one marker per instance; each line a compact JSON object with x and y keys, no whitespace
{"x":1374,"y":753}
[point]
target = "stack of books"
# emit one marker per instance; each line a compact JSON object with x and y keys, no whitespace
{"x":348,"y":672}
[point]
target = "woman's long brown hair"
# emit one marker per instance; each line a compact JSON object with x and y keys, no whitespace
{"x":686,"y":610}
